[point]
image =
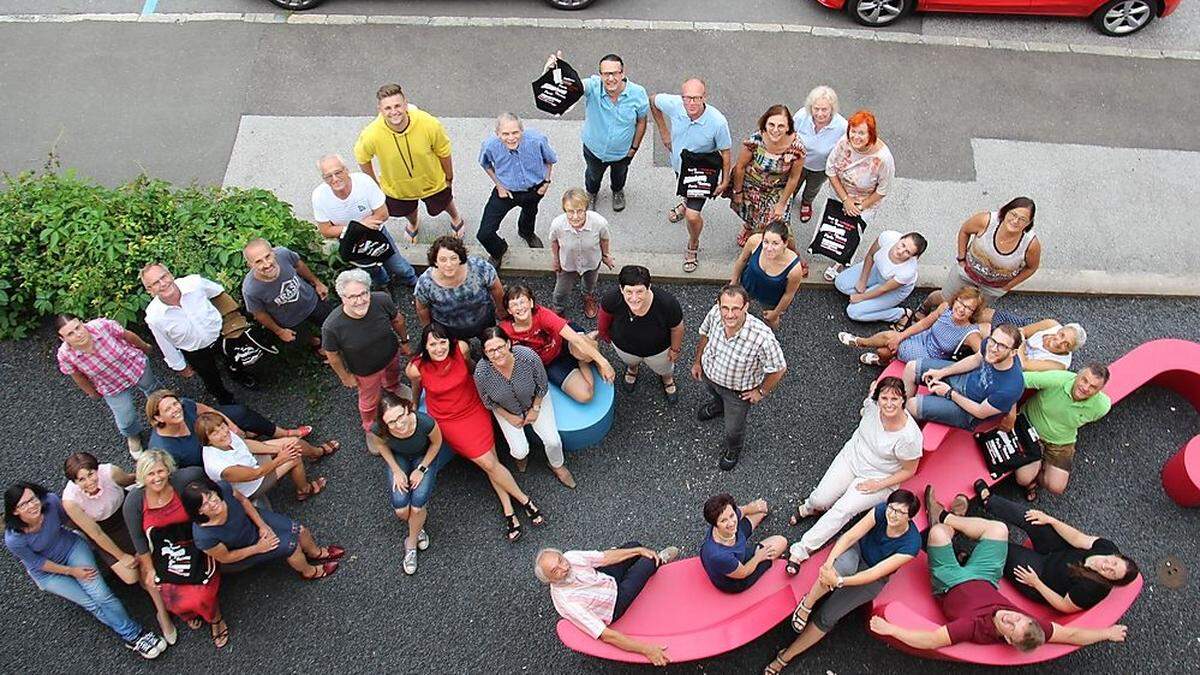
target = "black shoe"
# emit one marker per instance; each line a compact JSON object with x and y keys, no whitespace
{"x":247,"y":381}
{"x":710,"y":411}
{"x":534,"y":241}
{"x":729,"y":458}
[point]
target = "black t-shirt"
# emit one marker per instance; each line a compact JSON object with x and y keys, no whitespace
{"x":1083,"y":592}
{"x":642,"y":335}
{"x":365,"y":345}
{"x":413,"y":446}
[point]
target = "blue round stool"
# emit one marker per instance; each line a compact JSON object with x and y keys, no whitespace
{"x":583,"y":425}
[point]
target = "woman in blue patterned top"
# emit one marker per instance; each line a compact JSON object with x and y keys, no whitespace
{"x":461,"y":292}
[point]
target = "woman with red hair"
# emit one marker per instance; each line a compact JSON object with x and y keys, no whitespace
{"x":860,"y":171}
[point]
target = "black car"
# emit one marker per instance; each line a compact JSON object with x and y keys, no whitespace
{"x":297,"y":5}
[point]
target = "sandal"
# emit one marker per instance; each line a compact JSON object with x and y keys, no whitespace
{"x":328,"y":448}
{"x":691,"y":260}
{"x":771,"y":669}
{"x":315,"y":487}
{"x":1031,"y":492}
{"x":329,"y":554}
{"x":803,"y":510}
{"x":744,"y":236}
{"x":805,"y":213}
{"x":980,"y":486}
{"x":792,"y":568}
{"x":868,"y":359}
{"x":299,"y":432}
{"x":533,"y":512}
{"x":959,"y":505}
{"x":411,"y":232}
{"x":833,"y":271}
{"x":321,"y":571}
{"x":220,"y":633}
{"x":676,"y":214}
{"x":515,"y":530}
{"x":627,"y":384}
{"x":799,"y":622}
{"x":905,"y":321}
{"x":848,"y":339}
{"x":671,"y":391}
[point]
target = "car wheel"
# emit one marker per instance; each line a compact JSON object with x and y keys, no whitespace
{"x":296,"y":5}
{"x":569,"y":4}
{"x":877,"y":12}
{"x":1119,"y":18}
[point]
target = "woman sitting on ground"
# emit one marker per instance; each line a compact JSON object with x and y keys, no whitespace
{"x":566,"y":353}
{"x":1066,"y":569}
{"x":512,"y":384}
{"x":228,"y":527}
{"x":937,"y":336}
{"x":883,"y":279}
{"x":411,"y":446}
{"x":229,"y":457}
{"x":92,"y":498}
{"x":770,"y":271}
{"x":882,"y":454}
{"x":857,"y":569}
{"x":162,"y":540}
{"x":726,"y":555}
{"x":173,"y":423}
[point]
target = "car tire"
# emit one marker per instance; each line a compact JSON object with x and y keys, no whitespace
{"x":570,"y":5}
{"x":296,"y":5}
{"x":877,"y":13}
{"x":1118,"y":18}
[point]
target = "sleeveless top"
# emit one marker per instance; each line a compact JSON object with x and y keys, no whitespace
{"x":986,"y":264}
{"x":939,"y":341}
{"x":105,"y":503}
{"x":765,"y":288}
{"x":450,"y":391}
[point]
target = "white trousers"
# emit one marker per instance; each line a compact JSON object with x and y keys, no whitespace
{"x":545,"y":426}
{"x":838,"y":496}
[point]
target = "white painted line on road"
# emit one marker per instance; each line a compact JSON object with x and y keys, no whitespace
{"x":311,"y":19}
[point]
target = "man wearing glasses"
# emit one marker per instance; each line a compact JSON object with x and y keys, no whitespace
{"x":965,"y":393}
{"x":614,"y":121}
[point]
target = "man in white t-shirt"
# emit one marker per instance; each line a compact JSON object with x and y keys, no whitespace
{"x":882,"y":454}
{"x":343,"y":197}
{"x":884,"y":278}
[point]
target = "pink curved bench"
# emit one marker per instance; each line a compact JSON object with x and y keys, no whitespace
{"x":680,"y":609}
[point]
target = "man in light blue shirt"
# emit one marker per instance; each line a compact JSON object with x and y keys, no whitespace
{"x":519,"y":161}
{"x":687,"y":122}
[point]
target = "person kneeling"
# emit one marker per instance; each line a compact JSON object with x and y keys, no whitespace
{"x":731,"y":564}
{"x":969,"y":598}
{"x":592,"y":589}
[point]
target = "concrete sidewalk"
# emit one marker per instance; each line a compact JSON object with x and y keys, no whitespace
{"x":1098,"y":225}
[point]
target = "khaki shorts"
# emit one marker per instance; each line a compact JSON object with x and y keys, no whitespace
{"x":1061,"y":456}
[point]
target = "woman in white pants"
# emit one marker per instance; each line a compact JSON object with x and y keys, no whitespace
{"x":512,"y":384}
{"x":882,"y":454}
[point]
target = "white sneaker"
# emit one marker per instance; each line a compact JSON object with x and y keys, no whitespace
{"x":410,"y":561}
{"x":797,"y":553}
{"x":148,"y":645}
{"x":668,"y":554}
{"x":848,"y":339}
{"x":422,"y":540}
{"x":135,"y":447}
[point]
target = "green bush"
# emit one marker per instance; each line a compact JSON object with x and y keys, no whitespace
{"x":70,"y":245}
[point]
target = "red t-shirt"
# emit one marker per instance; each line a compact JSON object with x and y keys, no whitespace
{"x":970,"y":608}
{"x":544,"y":335}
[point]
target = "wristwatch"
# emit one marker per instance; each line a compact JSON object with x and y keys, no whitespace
{"x":422,"y":468}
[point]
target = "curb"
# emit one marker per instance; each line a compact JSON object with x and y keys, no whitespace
{"x":311,"y":19}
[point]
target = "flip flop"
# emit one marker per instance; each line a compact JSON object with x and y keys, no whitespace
{"x":411,"y":232}
{"x":315,"y":487}
{"x":220,"y":637}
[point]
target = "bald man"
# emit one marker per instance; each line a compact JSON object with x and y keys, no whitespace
{"x":281,"y":291}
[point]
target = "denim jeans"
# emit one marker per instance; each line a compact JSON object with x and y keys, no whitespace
{"x":125,"y":412}
{"x":419,"y":497}
{"x":619,"y":171}
{"x":395,"y":267}
{"x":939,"y":409}
{"x":879,"y":308}
{"x":92,"y":595}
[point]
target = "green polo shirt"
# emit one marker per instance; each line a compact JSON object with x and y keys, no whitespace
{"x":1054,"y":413}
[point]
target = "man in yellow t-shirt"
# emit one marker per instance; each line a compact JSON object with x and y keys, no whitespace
{"x":413,"y":151}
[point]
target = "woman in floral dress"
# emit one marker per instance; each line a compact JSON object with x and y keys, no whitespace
{"x":767,"y":172}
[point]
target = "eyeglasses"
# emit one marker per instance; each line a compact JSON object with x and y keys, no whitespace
{"x":611,"y":74}
{"x":1021,"y":220}
{"x":494,"y":351}
{"x":357,"y":296}
{"x":898,"y":509}
{"x":331,"y":174}
{"x":993,"y":343}
{"x":25,"y":504}
{"x":694,"y":99}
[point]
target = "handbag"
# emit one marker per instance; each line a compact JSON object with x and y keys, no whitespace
{"x":558,"y":89}
{"x":240,"y":344}
{"x":699,"y":174}
{"x":1005,"y":451}
{"x":838,"y":235}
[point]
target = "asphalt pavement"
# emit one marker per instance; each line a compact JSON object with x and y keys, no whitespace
{"x":474,"y":605}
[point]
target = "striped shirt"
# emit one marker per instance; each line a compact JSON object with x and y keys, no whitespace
{"x":740,"y":362}
{"x":516,"y":395}
{"x":112,"y":366}
{"x":587,"y":597}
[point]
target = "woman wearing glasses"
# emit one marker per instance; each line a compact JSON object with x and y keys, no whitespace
{"x":953,"y":325}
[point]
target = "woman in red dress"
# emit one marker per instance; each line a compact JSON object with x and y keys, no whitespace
{"x":162,"y":537}
{"x":442,"y":369}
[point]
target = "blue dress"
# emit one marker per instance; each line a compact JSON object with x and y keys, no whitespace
{"x":238,"y":531}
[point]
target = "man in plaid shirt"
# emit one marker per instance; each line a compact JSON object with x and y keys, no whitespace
{"x":740,"y":360}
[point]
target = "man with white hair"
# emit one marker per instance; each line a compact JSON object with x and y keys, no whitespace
{"x":344,"y":198}
{"x":187,"y":327}
{"x":281,"y":291}
{"x":519,"y":161}
{"x":592,"y":589}
{"x":361,"y":343}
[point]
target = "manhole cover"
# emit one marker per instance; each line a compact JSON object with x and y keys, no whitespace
{"x":1172,"y":573}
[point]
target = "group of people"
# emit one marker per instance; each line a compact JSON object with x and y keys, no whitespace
{"x":196,"y":504}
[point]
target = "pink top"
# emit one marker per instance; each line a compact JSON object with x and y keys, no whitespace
{"x":586,"y":597}
{"x":103,"y":504}
{"x":112,"y":366}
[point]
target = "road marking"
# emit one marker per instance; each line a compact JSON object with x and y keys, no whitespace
{"x":149,"y":15}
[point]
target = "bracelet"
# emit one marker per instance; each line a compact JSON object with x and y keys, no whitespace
{"x":961,"y":258}
{"x":633,"y":147}
{"x":949,"y":391}
{"x":761,"y":392}
{"x":841,"y":581}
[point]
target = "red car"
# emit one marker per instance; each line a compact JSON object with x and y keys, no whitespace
{"x":1111,"y":17}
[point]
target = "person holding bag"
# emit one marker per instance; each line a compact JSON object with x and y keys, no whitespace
{"x":860,"y":170}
